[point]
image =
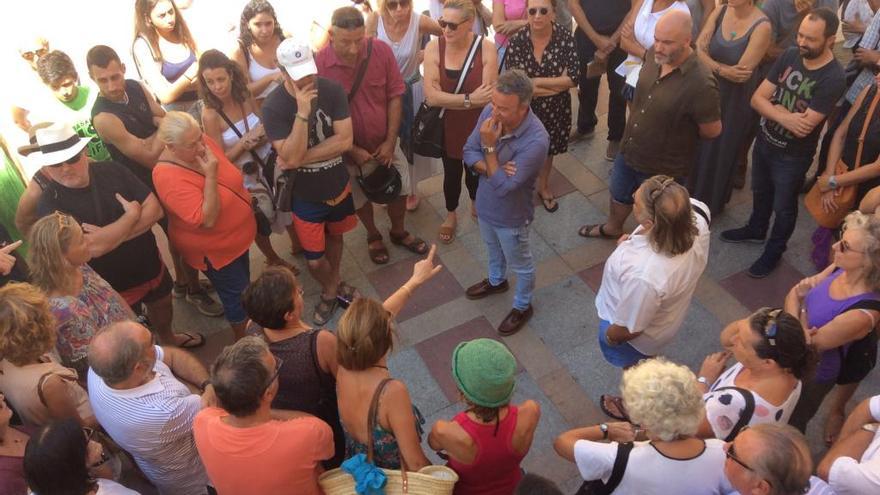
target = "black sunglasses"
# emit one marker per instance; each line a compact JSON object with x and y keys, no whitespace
{"x":771,"y":328}
{"x":70,"y":161}
{"x":844,"y":246}
{"x":278,"y":363}
{"x":398,"y":4}
{"x":542,"y":10}
{"x":451,"y":25}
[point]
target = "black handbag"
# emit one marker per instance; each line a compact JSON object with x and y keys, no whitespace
{"x":857,"y":361}
{"x":427,"y":132}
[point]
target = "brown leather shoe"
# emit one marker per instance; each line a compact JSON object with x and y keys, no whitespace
{"x":484,"y":288}
{"x":514,"y":321}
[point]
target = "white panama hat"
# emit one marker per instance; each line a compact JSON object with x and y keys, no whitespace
{"x":53,"y":144}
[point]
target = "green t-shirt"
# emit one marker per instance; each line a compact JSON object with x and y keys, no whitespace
{"x":81,"y":109}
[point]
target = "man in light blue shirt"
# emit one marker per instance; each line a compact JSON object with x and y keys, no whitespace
{"x":507,"y":148}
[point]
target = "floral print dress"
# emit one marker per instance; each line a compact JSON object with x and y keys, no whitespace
{"x":559,"y":58}
{"x":80,"y":317}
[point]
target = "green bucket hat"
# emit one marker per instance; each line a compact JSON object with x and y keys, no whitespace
{"x":484,"y":371}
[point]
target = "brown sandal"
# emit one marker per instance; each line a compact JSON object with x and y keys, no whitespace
{"x":417,"y":245}
{"x":378,"y":255}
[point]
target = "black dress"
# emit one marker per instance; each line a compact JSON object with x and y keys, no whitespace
{"x":871,"y":148}
{"x":711,"y":179}
{"x":559,"y":58}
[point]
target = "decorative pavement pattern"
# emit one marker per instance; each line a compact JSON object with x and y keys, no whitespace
{"x":560,"y":365}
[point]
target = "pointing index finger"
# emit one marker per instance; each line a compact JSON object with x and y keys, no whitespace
{"x":10,"y":247}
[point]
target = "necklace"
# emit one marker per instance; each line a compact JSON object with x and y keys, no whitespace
{"x":733,"y":35}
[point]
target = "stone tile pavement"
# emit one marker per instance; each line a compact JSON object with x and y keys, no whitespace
{"x":560,"y":365}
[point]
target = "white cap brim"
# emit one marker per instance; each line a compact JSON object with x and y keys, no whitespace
{"x":302,"y":69}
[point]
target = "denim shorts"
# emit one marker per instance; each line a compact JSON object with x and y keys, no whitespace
{"x":625,"y":180}
{"x":230,"y":283}
{"x":620,"y":355}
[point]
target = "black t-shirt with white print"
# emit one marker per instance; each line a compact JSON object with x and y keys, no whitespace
{"x":320,"y":181}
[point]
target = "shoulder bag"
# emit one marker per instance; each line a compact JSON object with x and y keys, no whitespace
{"x":857,"y":360}
{"x":847,"y":197}
{"x":745,"y":415}
{"x":427,"y":132}
{"x":430,"y":480}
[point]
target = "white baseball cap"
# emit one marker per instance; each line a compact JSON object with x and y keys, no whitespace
{"x":296,"y":58}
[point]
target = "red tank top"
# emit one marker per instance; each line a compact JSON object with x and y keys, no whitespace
{"x":458,"y":124}
{"x":495,"y":470}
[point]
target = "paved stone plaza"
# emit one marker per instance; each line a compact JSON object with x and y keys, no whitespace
{"x":560,"y":365}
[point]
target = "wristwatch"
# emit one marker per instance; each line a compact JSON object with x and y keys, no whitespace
{"x":872,"y":427}
{"x":703,"y":380}
{"x":832,"y":182}
{"x":604,"y":428}
{"x":467,"y":100}
{"x":488,"y":149}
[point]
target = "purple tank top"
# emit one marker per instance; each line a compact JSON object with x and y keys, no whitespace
{"x":172,"y":71}
{"x":821,"y":309}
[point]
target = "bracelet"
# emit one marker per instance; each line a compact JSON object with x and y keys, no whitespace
{"x":300,"y":117}
{"x":407,"y":289}
{"x":205,"y":384}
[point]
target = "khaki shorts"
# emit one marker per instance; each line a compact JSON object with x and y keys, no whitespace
{"x":399,"y":162}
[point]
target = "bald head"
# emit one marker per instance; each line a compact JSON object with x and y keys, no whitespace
{"x":676,"y":23}
{"x":672,"y":38}
{"x":116,"y":349}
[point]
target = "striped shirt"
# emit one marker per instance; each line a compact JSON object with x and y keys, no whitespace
{"x":153,"y":423}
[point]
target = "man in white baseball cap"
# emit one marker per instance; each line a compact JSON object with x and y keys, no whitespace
{"x":307,"y":120}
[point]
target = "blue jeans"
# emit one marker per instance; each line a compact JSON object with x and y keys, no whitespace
{"x":777,"y":178}
{"x":620,"y":355}
{"x":230,"y":283}
{"x":510,"y":245}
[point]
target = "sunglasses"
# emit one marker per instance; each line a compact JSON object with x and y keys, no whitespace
{"x":89,"y":434}
{"x":70,"y":161}
{"x":278,"y":363}
{"x":399,"y":4}
{"x":844,"y":246}
{"x":542,"y":10}
{"x":451,"y":25}
{"x":30,"y":55}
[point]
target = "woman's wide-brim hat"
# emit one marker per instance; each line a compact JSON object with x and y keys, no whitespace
{"x":484,"y":371}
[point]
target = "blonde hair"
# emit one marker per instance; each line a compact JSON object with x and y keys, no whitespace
{"x":174,"y":125}
{"x":663,"y":397}
{"x":465,"y":6}
{"x":365,"y":335}
{"x":667,"y":204}
{"x":27,"y":327}
{"x":870,"y":227}
{"x":50,"y":238}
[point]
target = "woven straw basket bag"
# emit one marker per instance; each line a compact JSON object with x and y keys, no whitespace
{"x":430,"y":480}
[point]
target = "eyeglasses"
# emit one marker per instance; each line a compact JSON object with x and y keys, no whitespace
{"x":844,"y":246}
{"x":542,"y":10}
{"x":451,"y":25}
{"x":278,"y":363}
{"x":89,"y":435}
{"x":399,"y":4}
{"x":70,"y":161}
{"x":731,"y":454}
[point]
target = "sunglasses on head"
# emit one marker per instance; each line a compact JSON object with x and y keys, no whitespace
{"x":397,"y":4}
{"x":771,"y":327}
{"x":451,"y":25}
{"x":542,"y":10}
{"x":30,"y":55}
{"x":70,"y":161}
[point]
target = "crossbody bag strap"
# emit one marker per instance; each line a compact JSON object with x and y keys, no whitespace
{"x":362,"y":71}
{"x":868,"y":117}
{"x":620,"y":461}
{"x":238,"y":133}
{"x":42,"y":381}
{"x":477,"y":43}
{"x":372,"y":418}
{"x":233,"y":191}
{"x":746,"y":414}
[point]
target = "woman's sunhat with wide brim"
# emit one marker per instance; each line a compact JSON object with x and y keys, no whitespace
{"x":51,"y":144}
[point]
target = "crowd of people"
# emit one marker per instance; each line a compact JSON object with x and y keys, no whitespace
{"x":302,"y":135}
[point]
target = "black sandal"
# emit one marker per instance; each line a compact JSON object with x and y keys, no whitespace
{"x":324,"y":310}
{"x":617,"y":402}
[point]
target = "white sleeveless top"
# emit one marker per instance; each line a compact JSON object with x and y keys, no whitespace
{"x":643,"y":31}
{"x":257,"y":72}
{"x":406,"y":51}
{"x":230,"y":138}
{"x":724,"y":407}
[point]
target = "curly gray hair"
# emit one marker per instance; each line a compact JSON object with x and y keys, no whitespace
{"x":663,"y":398}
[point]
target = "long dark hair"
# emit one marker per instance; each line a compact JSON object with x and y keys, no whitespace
{"x":55,"y":460}
{"x":783,"y":341}
{"x":250,"y":11}
{"x":145,"y":30}
{"x":215,"y":59}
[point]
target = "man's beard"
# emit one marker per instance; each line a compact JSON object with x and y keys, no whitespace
{"x":810,"y":54}
{"x":667,"y":59}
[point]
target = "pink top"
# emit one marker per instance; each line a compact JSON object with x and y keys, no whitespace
{"x":495,"y":470}
{"x":513,"y":10}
